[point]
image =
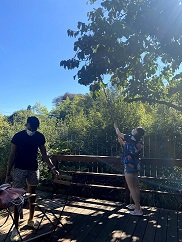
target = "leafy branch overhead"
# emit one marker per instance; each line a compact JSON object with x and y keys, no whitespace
{"x":138,"y":44}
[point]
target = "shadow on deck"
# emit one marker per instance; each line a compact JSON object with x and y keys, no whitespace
{"x":97,"y":220}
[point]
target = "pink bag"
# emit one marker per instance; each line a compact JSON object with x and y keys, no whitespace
{"x":8,"y":194}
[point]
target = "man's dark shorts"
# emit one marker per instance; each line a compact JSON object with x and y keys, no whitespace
{"x":23,"y":177}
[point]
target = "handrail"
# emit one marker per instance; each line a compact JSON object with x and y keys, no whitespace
{"x":116,"y":160}
{"x":86,"y":158}
{"x":160,"y":175}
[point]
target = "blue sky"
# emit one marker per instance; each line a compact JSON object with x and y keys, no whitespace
{"x":33,"y":42}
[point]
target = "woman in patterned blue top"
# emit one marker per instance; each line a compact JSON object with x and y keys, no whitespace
{"x":133,"y":145}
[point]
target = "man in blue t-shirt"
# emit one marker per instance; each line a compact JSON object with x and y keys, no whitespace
{"x":23,"y":157}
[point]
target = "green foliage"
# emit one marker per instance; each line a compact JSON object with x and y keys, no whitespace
{"x":136,"y":43}
{"x":4,"y":145}
{"x":56,"y":101}
{"x":83,"y":125}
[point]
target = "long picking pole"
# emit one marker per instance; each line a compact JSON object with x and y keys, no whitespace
{"x":110,"y":106}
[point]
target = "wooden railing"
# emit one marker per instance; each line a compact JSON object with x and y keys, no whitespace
{"x":157,"y":176}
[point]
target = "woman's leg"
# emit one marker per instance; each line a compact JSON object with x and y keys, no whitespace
{"x":133,"y":185}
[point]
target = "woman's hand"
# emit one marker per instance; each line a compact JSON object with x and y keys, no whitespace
{"x":116,"y":129}
{"x":130,"y":165}
{"x":121,"y":141}
{"x":115,"y":126}
{"x":119,"y":134}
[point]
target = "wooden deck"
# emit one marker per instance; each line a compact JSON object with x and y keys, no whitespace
{"x":94,"y":220}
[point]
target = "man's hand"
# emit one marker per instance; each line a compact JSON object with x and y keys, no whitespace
{"x":8,"y":179}
{"x":55,"y":172}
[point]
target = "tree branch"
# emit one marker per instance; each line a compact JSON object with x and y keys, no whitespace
{"x":151,"y":100}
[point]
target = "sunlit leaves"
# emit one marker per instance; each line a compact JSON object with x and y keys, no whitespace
{"x":138,"y":43}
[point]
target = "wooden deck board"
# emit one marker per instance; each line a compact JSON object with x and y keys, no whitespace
{"x":150,"y":231}
{"x":161,"y":230}
{"x":179,"y":229}
{"x":140,"y":228}
{"x":94,"y":220}
{"x":172,"y":232}
{"x":122,"y":218}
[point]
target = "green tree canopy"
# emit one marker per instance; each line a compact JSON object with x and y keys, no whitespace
{"x":137,"y":43}
{"x":62,"y":98}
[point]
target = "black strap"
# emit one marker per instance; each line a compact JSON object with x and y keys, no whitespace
{"x":6,"y":218}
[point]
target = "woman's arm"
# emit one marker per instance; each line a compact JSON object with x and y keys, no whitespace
{"x":121,"y":141}
{"x":119,"y":134}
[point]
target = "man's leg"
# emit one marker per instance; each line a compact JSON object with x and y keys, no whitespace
{"x":31,"y":190}
{"x":19,"y":181}
{"x":32,"y":180}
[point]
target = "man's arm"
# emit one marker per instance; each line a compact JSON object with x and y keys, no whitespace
{"x":46,"y":159}
{"x":10,"y":163}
